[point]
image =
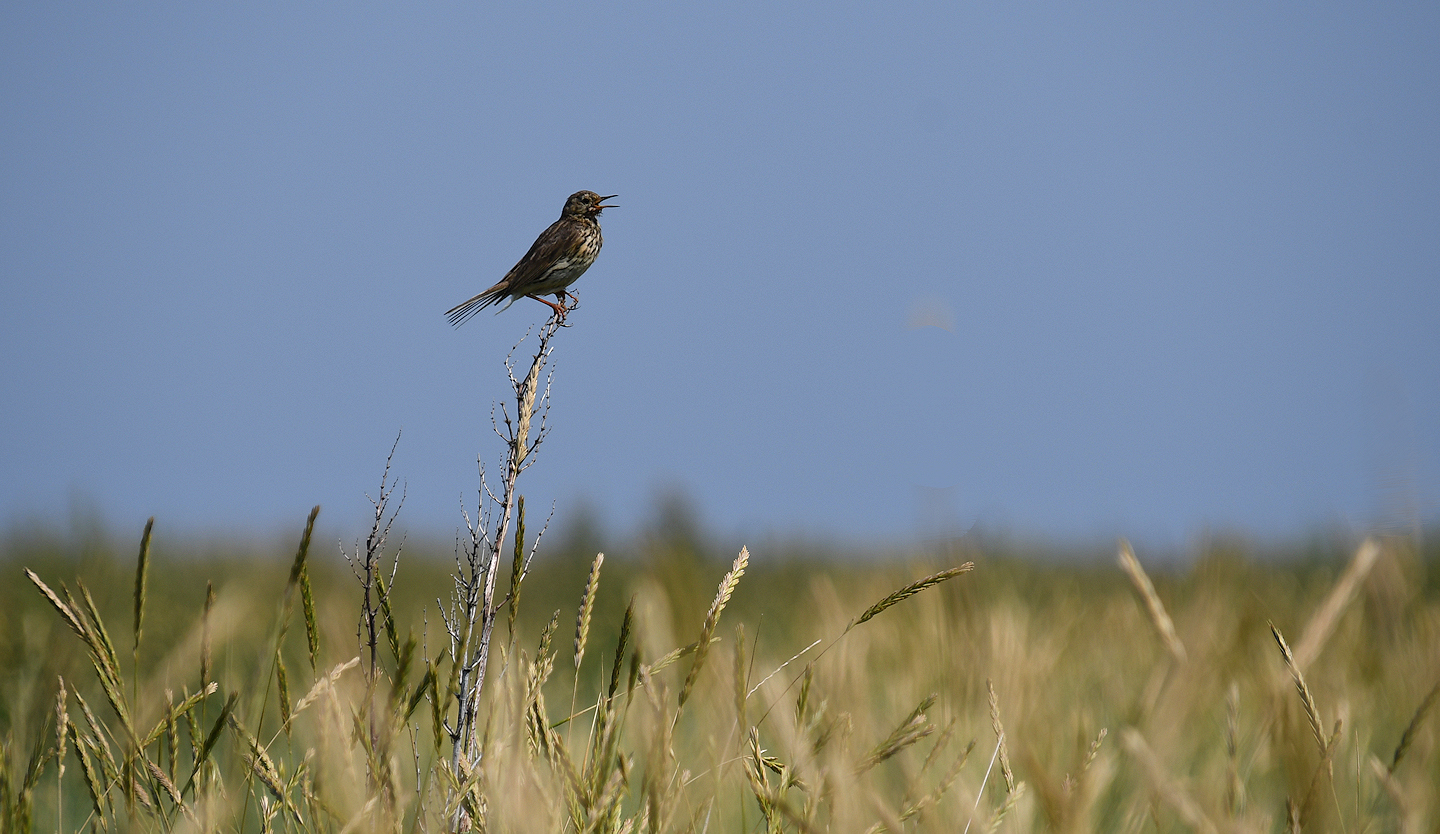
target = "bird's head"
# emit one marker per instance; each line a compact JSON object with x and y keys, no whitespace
{"x":586,"y":204}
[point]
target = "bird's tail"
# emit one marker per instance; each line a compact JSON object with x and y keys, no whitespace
{"x":461,"y":312}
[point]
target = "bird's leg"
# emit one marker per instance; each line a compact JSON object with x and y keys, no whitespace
{"x":559,"y":309}
{"x":564,"y":294}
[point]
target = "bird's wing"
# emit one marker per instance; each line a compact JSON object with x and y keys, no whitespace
{"x":551,"y":246}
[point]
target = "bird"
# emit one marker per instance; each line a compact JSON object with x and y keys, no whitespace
{"x":559,"y":256}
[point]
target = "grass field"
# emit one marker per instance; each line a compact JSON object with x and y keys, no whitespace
{"x":1120,"y":709}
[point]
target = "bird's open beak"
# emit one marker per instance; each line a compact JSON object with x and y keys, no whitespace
{"x":603,"y":199}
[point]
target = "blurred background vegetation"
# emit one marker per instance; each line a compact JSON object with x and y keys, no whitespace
{"x":1060,"y":633}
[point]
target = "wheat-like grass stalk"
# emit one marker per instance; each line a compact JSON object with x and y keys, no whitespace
{"x":101,"y":746}
{"x":712,"y":618}
{"x":941,"y":742}
{"x":587,"y":607}
{"x":1011,"y":800}
{"x":1414,"y":726}
{"x":909,"y":591}
{"x":307,"y":610}
{"x":1094,"y":750}
{"x":582,"y":626}
{"x":226,"y":714}
{"x":1234,"y":787}
{"x":620,"y":647}
{"x":261,"y":695}
{"x":361,"y":817}
{"x":142,"y":570}
{"x":517,"y":565}
{"x":951,"y":774}
{"x":1164,"y":626}
{"x":282,"y":684}
{"x":1322,"y":768}
{"x":771,"y":798}
{"x":67,"y":613}
{"x":1068,"y":804}
{"x":100,"y":642}
{"x":102,"y":657}
{"x":606,"y":806}
{"x":425,"y":688}
{"x":1387,"y":781}
{"x":915,"y":727}
{"x":1292,"y":816}
{"x":437,"y":699}
{"x":324,"y":682}
{"x":62,"y":718}
{"x":1161,"y":782}
{"x":205,"y":658}
{"x":297,"y":568}
{"x":894,"y":598}
{"x":264,"y":767}
{"x":387,"y":616}
{"x":87,"y":769}
{"x":1322,"y":623}
{"x":1312,"y":712}
{"x":537,"y":721}
{"x":547,"y":635}
{"x":164,"y":782}
{"x":800,"y":820}
{"x":999,"y":729}
{"x":173,"y":712}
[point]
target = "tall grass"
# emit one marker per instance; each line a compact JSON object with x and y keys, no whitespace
{"x":892,"y":725}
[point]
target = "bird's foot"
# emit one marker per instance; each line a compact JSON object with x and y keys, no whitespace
{"x":560,"y":309}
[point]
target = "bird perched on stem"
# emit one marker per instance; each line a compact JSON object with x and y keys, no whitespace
{"x":556,"y":259}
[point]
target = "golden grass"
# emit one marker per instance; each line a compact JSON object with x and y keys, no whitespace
{"x":988,"y":696}
{"x":587,"y":608}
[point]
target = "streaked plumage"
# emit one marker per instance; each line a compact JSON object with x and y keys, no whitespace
{"x":556,"y":259}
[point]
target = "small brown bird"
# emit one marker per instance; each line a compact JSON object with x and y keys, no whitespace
{"x":556,"y":259}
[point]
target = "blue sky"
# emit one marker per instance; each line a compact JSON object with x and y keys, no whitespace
{"x":1186,"y":260}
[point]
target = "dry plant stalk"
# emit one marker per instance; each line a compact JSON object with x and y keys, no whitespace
{"x":740,"y":677}
{"x":1410,"y":729}
{"x":1153,"y":606}
{"x":1000,"y":737}
{"x":470,"y":620}
{"x":1392,"y":789}
{"x":929,"y":800}
{"x":62,"y":722}
{"x":1013,"y":790}
{"x":1234,"y":785}
{"x":1322,"y":624}
{"x":915,"y":727}
{"x":365,"y":564}
{"x":1323,"y":768}
{"x":1163,"y":784}
{"x":712,"y":618}
{"x":1312,"y":712}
